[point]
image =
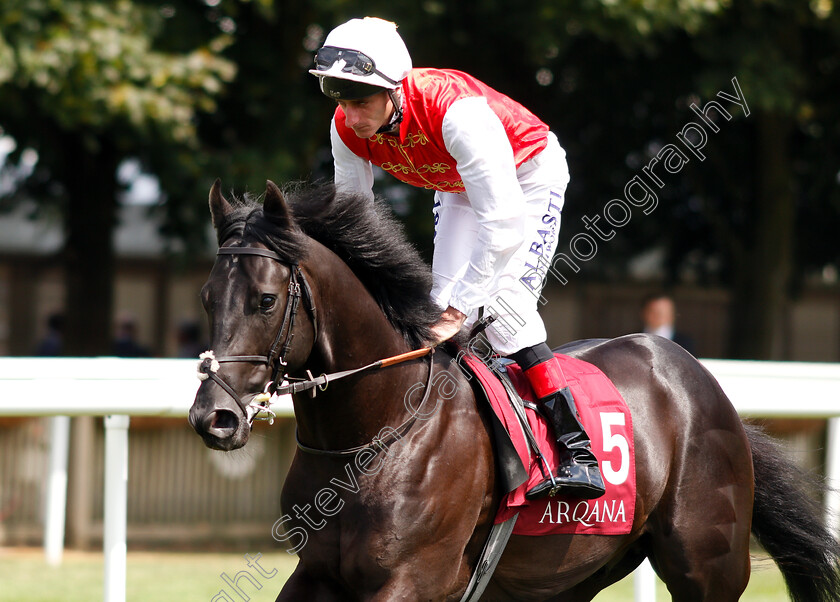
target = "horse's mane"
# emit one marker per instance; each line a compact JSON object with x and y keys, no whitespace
{"x":365,"y":235}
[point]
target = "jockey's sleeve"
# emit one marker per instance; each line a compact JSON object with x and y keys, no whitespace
{"x":352,"y":173}
{"x":476,"y":139}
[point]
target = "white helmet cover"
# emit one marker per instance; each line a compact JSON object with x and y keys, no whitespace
{"x":379,"y":41}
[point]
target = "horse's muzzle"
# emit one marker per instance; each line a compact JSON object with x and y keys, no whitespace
{"x":221,"y":427}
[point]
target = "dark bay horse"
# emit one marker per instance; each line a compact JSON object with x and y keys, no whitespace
{"x":324,"y":283}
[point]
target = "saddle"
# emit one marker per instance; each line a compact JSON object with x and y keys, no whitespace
{"x":525,"y":448}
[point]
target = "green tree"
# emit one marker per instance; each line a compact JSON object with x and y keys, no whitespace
{"x":759,"y":213}
{"x":785,"y":55}
{"x":616,"y":80}
{"x":83,"y":85}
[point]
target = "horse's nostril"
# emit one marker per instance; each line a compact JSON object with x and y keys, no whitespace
{"x":221,"y":423}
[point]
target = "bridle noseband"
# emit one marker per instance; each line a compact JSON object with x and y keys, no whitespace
{"x":279,"y":350}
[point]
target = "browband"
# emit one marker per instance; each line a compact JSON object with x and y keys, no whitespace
{"x":250,"y":251}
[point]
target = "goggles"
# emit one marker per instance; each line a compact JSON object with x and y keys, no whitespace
{"x":345,"y":89}
{"x":355,"y":62}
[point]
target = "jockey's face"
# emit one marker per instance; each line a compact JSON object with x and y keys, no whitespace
{"x":366,"y":115}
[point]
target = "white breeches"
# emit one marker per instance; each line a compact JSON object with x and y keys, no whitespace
{"x":513,"y":294}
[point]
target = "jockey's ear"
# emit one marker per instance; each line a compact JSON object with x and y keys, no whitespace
{"x":275,"y":208}
{"x":219,"y":206}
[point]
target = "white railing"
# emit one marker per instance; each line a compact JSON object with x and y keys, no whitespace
{"x":115,"y":388}
{"x":119,"y":388}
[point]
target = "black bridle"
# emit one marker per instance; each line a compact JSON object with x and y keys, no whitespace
{"x":275,"y":358}
{"x":279,"y":350}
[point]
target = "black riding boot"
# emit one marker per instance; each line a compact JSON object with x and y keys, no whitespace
{"x":578,"y":474}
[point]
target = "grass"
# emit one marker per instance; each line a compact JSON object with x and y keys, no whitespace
{"x":188,"y":577}
{"x":766,"y":585}
{"x":150,"y":576}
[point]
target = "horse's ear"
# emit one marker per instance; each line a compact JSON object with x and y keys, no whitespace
{"x":275,"y":208}
{"x":219,"y":206}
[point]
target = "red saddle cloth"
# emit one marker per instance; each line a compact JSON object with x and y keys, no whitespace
{"x":608,"y":423}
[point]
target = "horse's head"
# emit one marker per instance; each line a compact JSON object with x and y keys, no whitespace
{"x":257,"y":301}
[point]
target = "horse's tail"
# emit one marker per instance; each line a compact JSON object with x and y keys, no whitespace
{"x":786,"y":522}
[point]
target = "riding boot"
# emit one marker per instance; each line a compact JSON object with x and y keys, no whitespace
{"x":577,"y":474}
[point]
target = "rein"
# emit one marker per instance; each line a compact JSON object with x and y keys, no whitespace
{"x":396,"y":433}
{"x":322,"y":381}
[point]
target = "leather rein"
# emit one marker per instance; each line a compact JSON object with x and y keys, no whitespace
{"x":260,"y":404}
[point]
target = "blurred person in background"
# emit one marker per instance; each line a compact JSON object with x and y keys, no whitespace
{"x":52,"y":343}
{"x":658,"y":316}
{"x":125,"y":341}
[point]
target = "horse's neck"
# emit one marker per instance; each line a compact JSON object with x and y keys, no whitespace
{"x":352,"y":332}
{"x":352,"y":328}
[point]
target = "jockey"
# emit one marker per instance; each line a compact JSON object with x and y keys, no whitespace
{"x":499,"y":177}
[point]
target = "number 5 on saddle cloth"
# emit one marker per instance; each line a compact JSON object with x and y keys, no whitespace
{"x":526,"y":450}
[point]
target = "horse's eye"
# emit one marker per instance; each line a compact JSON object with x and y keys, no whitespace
{"x":267,"y":301}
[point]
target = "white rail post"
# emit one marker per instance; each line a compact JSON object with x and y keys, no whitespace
{"x":116,"y":497}
{"x":56,"y":489}
{"x":832,"y":473}
{"x":644,"y":583}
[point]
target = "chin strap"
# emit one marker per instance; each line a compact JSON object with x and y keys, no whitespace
{"x":397,"y":117}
